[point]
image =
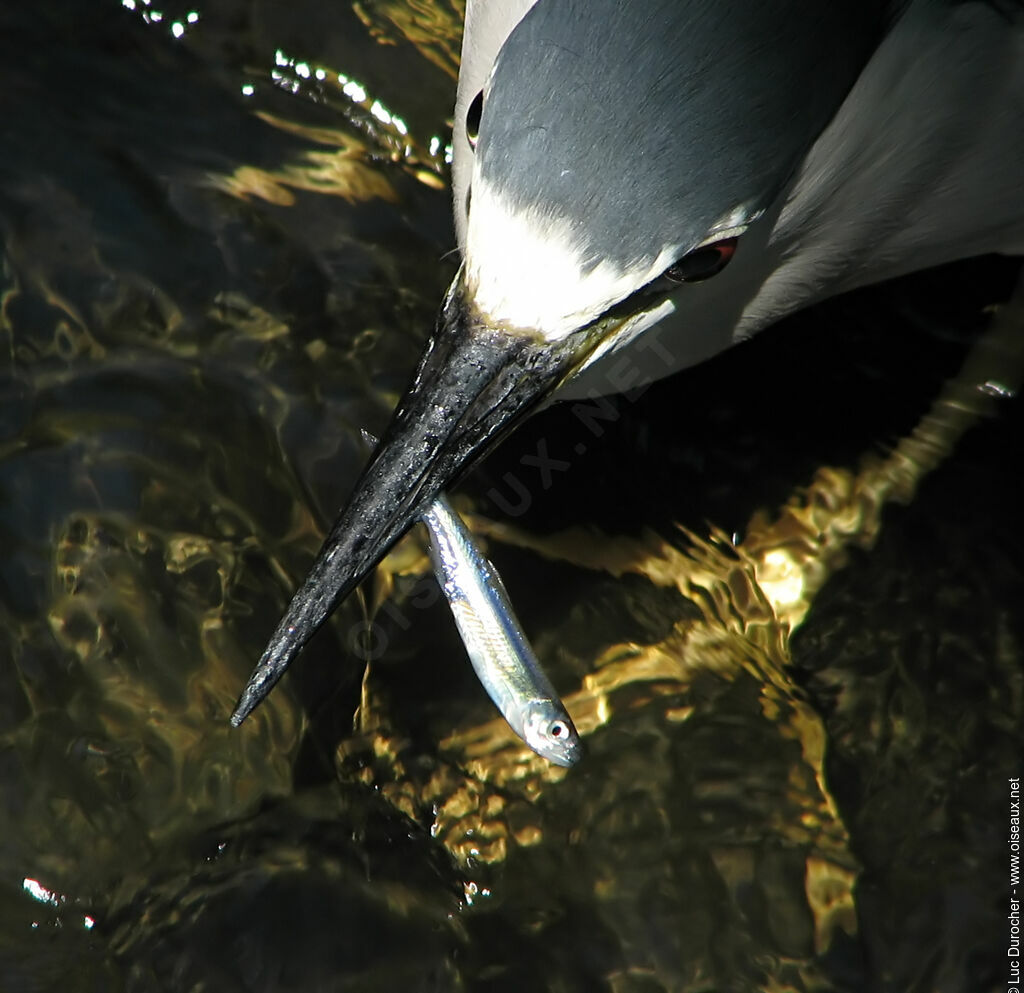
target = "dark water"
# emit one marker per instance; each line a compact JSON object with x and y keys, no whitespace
{"x":206,"y":292}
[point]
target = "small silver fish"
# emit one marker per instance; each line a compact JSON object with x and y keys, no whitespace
{"x":495,"y":642}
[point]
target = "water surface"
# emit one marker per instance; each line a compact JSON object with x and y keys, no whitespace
{"x":224,"y":238}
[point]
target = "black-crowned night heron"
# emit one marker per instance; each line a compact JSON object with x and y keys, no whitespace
{"x":641,"y":183}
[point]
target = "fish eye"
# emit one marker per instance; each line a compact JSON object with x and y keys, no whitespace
{"x":702,"y":263}
{"x":558,"y":730}
{"x":473,"y":115}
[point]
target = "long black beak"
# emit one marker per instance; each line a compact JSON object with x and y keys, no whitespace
{"x":474,"y":384}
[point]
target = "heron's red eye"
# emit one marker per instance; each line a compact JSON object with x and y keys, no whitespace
{"x":473,"y":115}
{"x":702,"y":263}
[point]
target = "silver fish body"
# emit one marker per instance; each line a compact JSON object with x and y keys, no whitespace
{"x":497,"y":647}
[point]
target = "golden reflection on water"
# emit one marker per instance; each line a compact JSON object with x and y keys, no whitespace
{"x":435,"y":28}
{"x":705,"y":782}
{"x":338,"y":174}
{"x":749,"y":597}
{"x":351,"y":168}
{"x":114,"y":574}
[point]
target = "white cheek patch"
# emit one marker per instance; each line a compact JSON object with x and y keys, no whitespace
{"x":524,"y":269}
